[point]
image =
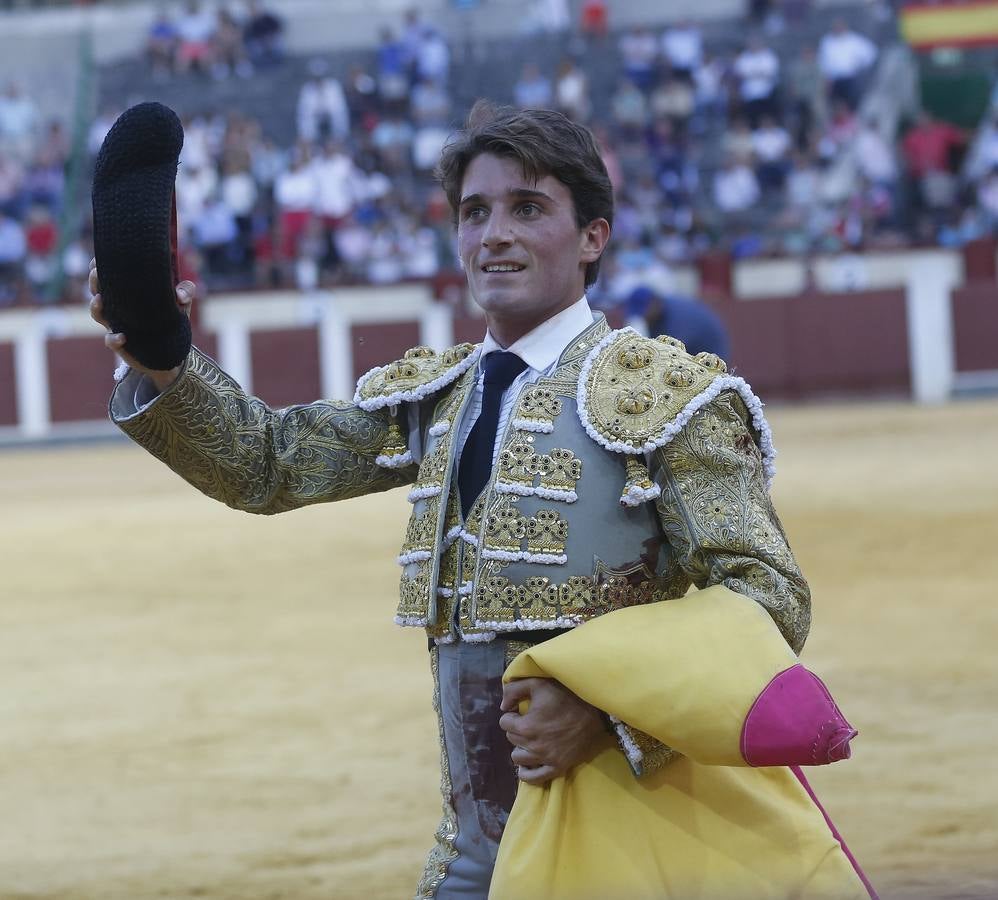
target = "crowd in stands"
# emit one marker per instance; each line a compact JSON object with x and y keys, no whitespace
{"x":707,"y":148}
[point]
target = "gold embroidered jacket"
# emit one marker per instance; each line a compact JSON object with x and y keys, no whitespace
{"x":628,"y":474}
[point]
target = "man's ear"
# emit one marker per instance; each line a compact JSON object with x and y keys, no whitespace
{"x":594,"y":239}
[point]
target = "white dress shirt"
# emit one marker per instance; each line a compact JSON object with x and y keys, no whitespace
{"x":540,"y":349}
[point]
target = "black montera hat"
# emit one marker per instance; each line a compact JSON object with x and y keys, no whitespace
{"x":135,"y":234}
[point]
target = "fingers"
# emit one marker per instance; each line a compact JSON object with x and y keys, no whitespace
{"x":538,"y":776}
{"x":521,"y":756}
{"x":185,"y":296}
{"x":92,"y":279}
{"x":516,"y":729}
{"x":114,"y":341}
{"x":514,"y":692}
{"x":97,"y":311}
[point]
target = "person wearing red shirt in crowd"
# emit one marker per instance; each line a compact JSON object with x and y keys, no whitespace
{"x":929,"y":144}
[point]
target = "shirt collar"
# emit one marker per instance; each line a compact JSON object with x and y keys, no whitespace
{"x":541,"y":347}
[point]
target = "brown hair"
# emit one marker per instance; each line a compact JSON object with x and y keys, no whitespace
{"x":544,"y":142}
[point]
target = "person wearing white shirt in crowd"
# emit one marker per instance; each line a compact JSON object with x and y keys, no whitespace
{"x":195,"y":184}
{"x":215,"y":232}
{"x":758,"y":71}
{"x":322,"y":109}
{"x":874,"y":156}
{"x":682,"y":48}
{"x":433,"y":57}
{"x":195,"y":30}
{"x":571,"y":91}
{"x":844,"y":55}
{"x":239,"y":193}
{"x":639,"y":51}
{"x":736,"y":188}
{"x":295,"y":193}
{"x":18,"y":122}
{"x":771,"y":144}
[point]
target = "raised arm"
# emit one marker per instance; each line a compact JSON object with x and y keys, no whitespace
{"x":234,"y":448}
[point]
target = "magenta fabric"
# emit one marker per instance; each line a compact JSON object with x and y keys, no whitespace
{"x":795,"y":721}
{"x":835,"y":833}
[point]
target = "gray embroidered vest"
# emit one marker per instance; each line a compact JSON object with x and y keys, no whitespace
{"x":564,"y":531}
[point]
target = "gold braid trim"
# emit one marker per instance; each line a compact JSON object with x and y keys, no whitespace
{"x":238,"y":450}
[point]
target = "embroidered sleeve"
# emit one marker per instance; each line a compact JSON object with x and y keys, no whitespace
{"x":236,"y":449}
{"x":716,"y":512}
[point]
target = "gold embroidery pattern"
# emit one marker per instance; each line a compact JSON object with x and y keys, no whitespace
{"x":519,"y":464}
{"x":539,"y":406}
{"x":444,"y":851}
{"x":499,"y":600}
{"x":420,"y":366}
{"x":546,"y":532}
{"x":561,"y":471}
{"x":637,"y":386}
{"x":235,"y":449}
{"x":412,"y":596}
{"x":718,"y":516}
{"x":421,"y":532}
{"x":505,"y":527}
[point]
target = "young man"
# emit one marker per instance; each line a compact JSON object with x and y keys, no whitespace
{"x":560,"y":471}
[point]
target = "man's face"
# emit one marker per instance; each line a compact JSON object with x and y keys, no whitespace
{"x":520,"y":246}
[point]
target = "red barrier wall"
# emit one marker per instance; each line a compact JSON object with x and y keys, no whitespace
{"x":286,"y":366}
{"x":821,"y":343}
{"x":80,"y":371}
{"x":379,"y":343}
{"x":975,"y":327}
{"x":8,"y":395}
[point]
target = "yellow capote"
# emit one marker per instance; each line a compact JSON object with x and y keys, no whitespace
{"x":704,"y":827}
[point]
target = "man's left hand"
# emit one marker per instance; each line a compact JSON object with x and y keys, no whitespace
{"x":556,"y":733}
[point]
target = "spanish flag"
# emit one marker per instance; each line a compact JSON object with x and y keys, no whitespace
{"x":971,"y":23}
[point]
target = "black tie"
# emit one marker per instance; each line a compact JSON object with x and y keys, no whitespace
{"x":501,"y":370}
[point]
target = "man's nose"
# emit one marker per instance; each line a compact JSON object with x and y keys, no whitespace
{"x":498,"y":231}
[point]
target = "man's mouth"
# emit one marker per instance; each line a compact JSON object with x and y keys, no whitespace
{"x":502,"y":267}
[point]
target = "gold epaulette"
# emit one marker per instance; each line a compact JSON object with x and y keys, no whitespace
{"x":634,"y":389}
{"x":417,"y":375}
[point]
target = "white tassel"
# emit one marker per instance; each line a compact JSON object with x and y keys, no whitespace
{"x":395,"y":461}
{"x":533,"y":425}
{"x":439,"y":429}
{"x":430,"y":490}
{"x":527,"y":490}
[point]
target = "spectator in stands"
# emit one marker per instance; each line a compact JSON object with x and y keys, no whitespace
{"x":691,"y":321}
{"x":594,"y":19}
{"x":41,"y":236}
{"x":571,"y":91}
{"x":639,"y":54}
{"x":295,"y":194}
{"x":216,"y":235}
{"x":874,"y":156}
{"x":673,"y":99}
{"x":161,"y":46}
{"x":532,"y":90}
{"x":195,"y":184}
{"x":757,"y":69}
{"x":736,"y":188}
{"x":840,"y":131}
{"x":195,"y":32}
{"x":322,"y":110}
{"x":682,"y":49}
{"x":362,"y":98}
{"x":807,"y":95}
{"x":228,"y":51}
{"x":929,"y":147}
{"x":738,"y":141}
{"x":629,"y":108}
{"x":844,"y":55}
{"x":239,"y":192}
{"x":427,"y":141}
{"x":392,"y":139}
{"x":430,"y":103}
{"x":432,"y":57}
{"x":710,"y":91}
{"x":336,"y":196}
{"x":18,"y":122}
{"x":12,"y":197}
{"x":13,"y":249}
{"x":392,"y":72}
{"x":263,"y":35}
{"x":771,"y":144}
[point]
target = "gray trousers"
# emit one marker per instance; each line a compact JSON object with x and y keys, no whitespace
{"x":483,"y":778}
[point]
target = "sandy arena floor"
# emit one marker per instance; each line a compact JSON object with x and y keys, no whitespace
{"x":199,"y":703}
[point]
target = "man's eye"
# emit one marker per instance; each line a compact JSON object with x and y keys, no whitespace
{"x":530,"y":209}
{"x":474,"y":212}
